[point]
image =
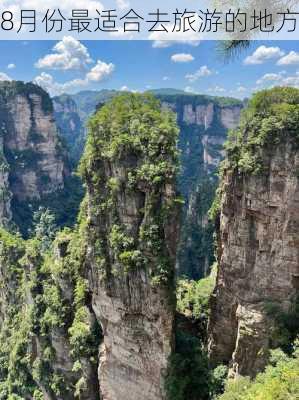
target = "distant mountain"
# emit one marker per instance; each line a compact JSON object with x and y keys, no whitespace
{"x":168,"y":91}
{"x":72,"y":113}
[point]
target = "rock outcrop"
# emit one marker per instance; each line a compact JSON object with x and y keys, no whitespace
{"x":129,"y":168}
{"x":203,"y":123}
{"x":258,"y":248}
{"x":71,"y":124}
{"x":91,"y":316}
{"x":5,"y":193}
{"x":33,"y":156}
{"x":47,"y":322}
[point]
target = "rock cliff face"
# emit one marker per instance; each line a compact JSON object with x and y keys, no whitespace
{"x":32,"y":154}
{"x":71,"y":124}
{"x":47,"y":323}
{"x":91,"y":317}
{"x":5,"y":194}
{"x":129,"y":167}
{"x":203,"y":123}
{"x":258,"y":248}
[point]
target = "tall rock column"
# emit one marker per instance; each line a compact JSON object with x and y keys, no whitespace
{"x":33,"y":162}
{"x":5,"y":194}
{"x":258,"y":247}
{"x":129,"y":167}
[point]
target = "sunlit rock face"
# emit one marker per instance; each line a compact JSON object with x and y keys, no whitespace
{"x":258,"y":255}
{"x":204,"y":122}
{"x":133,"y":229}
{"x":33,"y":160}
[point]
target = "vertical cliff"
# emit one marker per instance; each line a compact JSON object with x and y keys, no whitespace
{"x":71,"y":124}
{"x":49,"y":332}
{"x":90,"y":316}
{"x":203,"y":122}
{"x":5,"y":193}
{"x":129,"y":167}
{"x":253,"y":308}
{"x":32,"y":156}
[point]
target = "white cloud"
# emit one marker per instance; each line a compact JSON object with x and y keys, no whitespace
{"x":241,"y":89}
{"x":270,"y":77}
{"x":4,"y":77}
{"x":127,"y":89}
{"x":122,"y":4}
{"x":182,"y":58}
{"x":167,"y":39}
{"x":166,"y":78}
{"x":280,"y":79}
{"x":217,"y":89}
{"x":68,"y":54}
{"x":162,"y":44}
{"x":11,"y":66}
{"x":291,"y":81}
{"x":201,"y":72}
{"x":100,"y":71}
{"x":47,"y":82}
{"x":189,"y":89}
{"x":290,"y":59}
{"x":263,"y":54}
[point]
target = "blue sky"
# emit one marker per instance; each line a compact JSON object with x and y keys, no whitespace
{"x":71,"y":66}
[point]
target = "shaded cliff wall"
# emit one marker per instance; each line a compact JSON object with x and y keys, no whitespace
{"x":32,"y":156}
{"x":91,"y":316}
{"x":203,"y":122}
{"x":49,"y":333}
{"x":130,"y":166}
{"x":258,"y":249}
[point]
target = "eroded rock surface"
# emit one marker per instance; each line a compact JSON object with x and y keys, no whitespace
{"x":133,"y":229}
{"x":258,"y":252}
{"x":33,"y":156}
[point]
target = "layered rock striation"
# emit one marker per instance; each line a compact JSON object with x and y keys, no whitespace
{"x":203,"y":122}
{"x":129,"y":166}
{"x":258,"y":248}
{"x":32,"y":156}
{"x":91,"y":315}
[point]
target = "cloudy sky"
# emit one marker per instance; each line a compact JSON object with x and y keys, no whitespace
{"x":71,"y":66}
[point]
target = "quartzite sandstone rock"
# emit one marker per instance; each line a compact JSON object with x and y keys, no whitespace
{"x":258,"y":255}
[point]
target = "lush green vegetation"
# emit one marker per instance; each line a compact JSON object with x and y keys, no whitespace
{"x":70,"y":197}
{"x":193,"y":296}
{"x":280,"y":381}
{"x":132,"y":135}
{"x":9,"y":89}
{"x":286,"y":327}
{"x":140,"y":138}
{"x":31,"y":269}
{"x":271,"y":117}
{"x":189,"y":375}
{"x":194,"y":182}
{"x":197,"y":184}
